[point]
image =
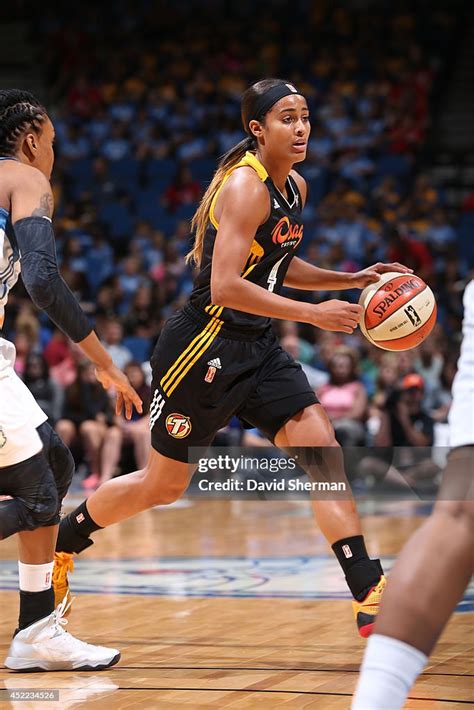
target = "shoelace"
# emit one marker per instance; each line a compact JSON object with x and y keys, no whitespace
{"x":59,"y":612}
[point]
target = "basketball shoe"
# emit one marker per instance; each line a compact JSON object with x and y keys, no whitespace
{"x":46,"y":646}
{"x":366,"y":610}
{"x":63,"y":563}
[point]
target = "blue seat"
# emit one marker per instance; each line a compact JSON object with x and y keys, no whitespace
{"x":202,"y":169}
{"x":124,"y":172}
{"x":118,"y":219}
{"x":389,"y":164}
{"x":185,"y":211}
{"x":138,"y":346}
{"x":164,"y":168}
{"x":80,"y":174}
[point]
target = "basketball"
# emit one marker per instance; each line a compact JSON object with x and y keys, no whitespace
{"x":399,"y":311}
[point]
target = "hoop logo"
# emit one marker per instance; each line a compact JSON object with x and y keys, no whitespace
{"x":178,"y":426}
{"x":287,"y":234}
{"x":388,"y":287}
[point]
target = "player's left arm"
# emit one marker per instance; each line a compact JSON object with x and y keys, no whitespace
{"x":305,"y":276}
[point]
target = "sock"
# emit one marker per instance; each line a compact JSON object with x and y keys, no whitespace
{"x":361,"y":572}
{"x":36,"y":593}
{"x":74,"y":530}
{"x":389,"y":669}
{"x":35,"y":578}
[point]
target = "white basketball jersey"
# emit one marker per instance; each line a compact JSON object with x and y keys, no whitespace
{"x":461,"y":414}
{"x":9,"y":261}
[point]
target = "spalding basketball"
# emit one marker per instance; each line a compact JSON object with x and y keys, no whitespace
{"x":399,"y":311}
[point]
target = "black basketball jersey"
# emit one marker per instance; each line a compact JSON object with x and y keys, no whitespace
{"x":272,"y":249}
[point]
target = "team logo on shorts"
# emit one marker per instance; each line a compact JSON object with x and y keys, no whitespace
{"x":178,"y":426}
{"x":3,"y":438}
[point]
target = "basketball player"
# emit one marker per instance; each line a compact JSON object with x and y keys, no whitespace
{"x":218,"y":356}
{"x":435,"y":565}
{"x":35,"y":466}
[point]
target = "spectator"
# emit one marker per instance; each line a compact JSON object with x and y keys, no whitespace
{"x":88,"y":416}
{"x":184,"y":190}
{"x":404,"y":421}
{"x":344,"y":398}
{"x":135,"y":431}
{"x":112,"y":337}
{"x":292,"y":345}
{"x":45,"y":390}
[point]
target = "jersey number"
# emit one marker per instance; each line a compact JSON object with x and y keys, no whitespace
{"x":273,"y":275}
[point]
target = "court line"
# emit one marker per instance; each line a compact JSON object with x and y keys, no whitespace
{"x":275,"y":692}
{"x":289,"y":670}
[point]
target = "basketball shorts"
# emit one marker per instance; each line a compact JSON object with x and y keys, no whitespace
{"x":205,"y":372}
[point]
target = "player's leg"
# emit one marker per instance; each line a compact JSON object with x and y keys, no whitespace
{"x":161,"y":482}
{"x":35,"y":567}
{"x":337,"y":517}
{"x":285,"y":408}
{"x":426,"y":583}
{"x":167,"y":472}
{"x":435,"y":565}
{"x":40,"y":642}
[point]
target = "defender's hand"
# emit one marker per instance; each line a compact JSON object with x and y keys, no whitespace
{"x":111,"y":376}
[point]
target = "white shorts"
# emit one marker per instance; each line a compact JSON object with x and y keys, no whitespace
{"x":20,"y":414}
{"x":461,"y":415}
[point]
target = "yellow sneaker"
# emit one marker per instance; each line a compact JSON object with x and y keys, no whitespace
{"x":366,"y":610}
{"x":63,"y":563}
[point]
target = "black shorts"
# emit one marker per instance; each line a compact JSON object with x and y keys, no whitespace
{"x":37,"y":485}
{"x":205,"y":372}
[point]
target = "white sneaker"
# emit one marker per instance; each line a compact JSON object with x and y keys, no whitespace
{"x":46,"y":646}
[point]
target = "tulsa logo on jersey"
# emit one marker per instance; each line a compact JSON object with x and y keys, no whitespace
{"x":287,"y":234}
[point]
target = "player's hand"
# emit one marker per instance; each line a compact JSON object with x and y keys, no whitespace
{"x":339,"y":316}
{"x":371,"y":274}
{"x":111,"y":376}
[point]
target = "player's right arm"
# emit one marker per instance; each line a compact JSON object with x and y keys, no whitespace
{"x":241,"y":208}
{"x":32,"y":207}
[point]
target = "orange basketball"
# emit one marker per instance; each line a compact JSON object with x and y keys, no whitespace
{"x":399,"y":311}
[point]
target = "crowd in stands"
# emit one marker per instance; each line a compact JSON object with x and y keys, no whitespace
{"x":144,"y":101}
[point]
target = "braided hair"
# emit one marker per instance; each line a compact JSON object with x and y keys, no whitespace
{"x":20,"y":111}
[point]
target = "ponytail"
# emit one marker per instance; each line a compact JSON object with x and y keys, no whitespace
{"x":201,"y":216}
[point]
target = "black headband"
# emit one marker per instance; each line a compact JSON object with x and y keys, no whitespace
{"x":270,"y":97}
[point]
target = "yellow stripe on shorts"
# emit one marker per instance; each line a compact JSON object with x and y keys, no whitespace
{"x":211,"y":334}
{"x":187,"y":354}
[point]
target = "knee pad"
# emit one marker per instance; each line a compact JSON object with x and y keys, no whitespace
{"x":35,"y":497}
{"x":59,"y":458}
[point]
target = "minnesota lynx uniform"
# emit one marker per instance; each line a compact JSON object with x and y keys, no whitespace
{"x":20,"y":415}
{"x":211,"y":362}
{"x":461,"y":414}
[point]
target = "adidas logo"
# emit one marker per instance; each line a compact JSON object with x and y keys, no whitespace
{"x":275,"y":204}
{"x":215,"y":363}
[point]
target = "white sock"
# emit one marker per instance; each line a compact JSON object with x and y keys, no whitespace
{"x":35,"y":578}
{"x":388,"y":671}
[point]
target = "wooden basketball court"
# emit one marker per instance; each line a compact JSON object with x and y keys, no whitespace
{"x":219,"y":604}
